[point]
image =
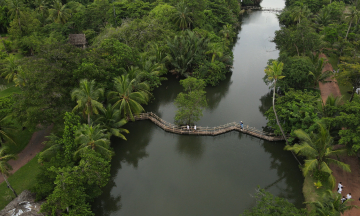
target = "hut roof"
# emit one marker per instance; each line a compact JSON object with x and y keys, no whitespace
{"x":77,"y":39}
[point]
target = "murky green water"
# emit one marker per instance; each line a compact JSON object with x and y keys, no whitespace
{"x":159,"y":173}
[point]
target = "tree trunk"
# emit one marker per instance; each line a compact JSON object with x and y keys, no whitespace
{"x":19,"y":24}
{"x":352,"y":94}
{"x":348,"y":29}
{"x":2,"y":40}
{"x":114,"y":13}
{"x":9,"y":186}
{"x":276,"y":116}
{"x":277,"y":120}
{"x":89,"y":119}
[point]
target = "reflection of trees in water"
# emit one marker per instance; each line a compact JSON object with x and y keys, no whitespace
{"x":165,"y":94}
{"x":129,"y":152}
{"x":266,"y":102}
{"x":288,"y":170}
{"x":191,"y":146}
{"x":107,"y":204}
{"x":215,"y":94}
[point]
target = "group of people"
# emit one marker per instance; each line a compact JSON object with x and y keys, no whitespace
{"x":188,"y":127}
{"x":340,"y":188}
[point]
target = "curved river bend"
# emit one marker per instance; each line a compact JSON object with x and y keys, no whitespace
{"x":159,"y":173}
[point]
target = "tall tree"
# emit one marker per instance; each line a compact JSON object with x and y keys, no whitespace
{"x":126,"y":97}
{"x":273,"y":73}
{"x":16,"y":10}
{"x":182,"y":16}
{"x":352,"y":17}
{"x":350,"y":73}
{"x":59,"y":12}
{"x":86,"y":97}
{"x":111,"y":120}
{"x":5,"y":166}
{"x":92,"y":137}
{"x":319,"y":151}
{"x":301,"y":11}
{"x":191,"y":102}
{"x":11,"y":68}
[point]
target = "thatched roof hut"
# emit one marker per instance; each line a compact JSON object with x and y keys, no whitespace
{"x":77,"y":40}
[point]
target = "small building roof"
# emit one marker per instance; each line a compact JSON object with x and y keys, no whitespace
{"x":77,"y":39}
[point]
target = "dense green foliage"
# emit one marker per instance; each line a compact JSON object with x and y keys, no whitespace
{"x":191,"y":102}
{"x":268,"y":204}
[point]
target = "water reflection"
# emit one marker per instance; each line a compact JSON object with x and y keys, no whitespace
{"x":266,"y":102}
{"x":191,"y":146}
{"x":214,"y":95}
{"x":111,"y":204}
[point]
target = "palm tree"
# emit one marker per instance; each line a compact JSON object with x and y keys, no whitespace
{"x":92,"y":137}
{"x":11,"y":68}
{"x":86,"y":97}
{"x":7,"y":130}
{"x":318,"y":150}
{"x":215,"y":50}
{"x":53,"y":147}
{"x":324,"y":17}
{"x":111,"y":120}
{"x":273,"y":73}
{"x":182,"y":15}
{"x":318,"y":73}
{"x":331,"y":204}
{"x":16,"y":10}
{"x":41,"y":6}
{"x":299,"y":12}
{"x":227,"y":31}
{"x":59,"y":13}
{"x":354,"y":16}
{"x":330,"y":103}
{"x":5,"y":166}
{"x":126,"y":98}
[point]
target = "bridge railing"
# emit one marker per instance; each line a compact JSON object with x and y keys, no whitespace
{"x":221,"y":128}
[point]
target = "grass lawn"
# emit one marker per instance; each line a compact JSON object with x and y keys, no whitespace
{"x":23,"y":179}
{"x":344,"y":92}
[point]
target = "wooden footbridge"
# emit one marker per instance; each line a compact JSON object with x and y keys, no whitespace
{"x":262,"y":8}
{"x":207,"y":131}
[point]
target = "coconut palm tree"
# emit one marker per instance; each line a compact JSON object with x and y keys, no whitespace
{"x":11,"y":68}
{"x":324,"y":17}
{"x":16,"y":10}
{"x":111,"y":120}
{"x":86,"y":97}
{"x":299,"y":12}
{"x":126,"y":97}
{"x":317,"y":72}
{"x":92,"y":137}
{"x":59,"y":12}
{"x":228,"y":32}
{"x":273,"y":73}
{"x":5,"y":166}
{"x":352,"y":17}
{"x":328,"y":106}
{"x":182,"y":15}
{"x":215,"y":50}
{"x":7,"y":130}
{"x":318,"y":150}
{"x":41,"y":6}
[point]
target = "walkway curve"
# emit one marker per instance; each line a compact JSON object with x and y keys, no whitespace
{"x":207,"y":131}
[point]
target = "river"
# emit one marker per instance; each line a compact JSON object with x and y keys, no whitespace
{"x":159,"y":173}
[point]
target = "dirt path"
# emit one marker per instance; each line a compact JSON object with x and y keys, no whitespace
{"x":331,"y":87}
{"x":349,"y":180}
{"x":30,"y":150}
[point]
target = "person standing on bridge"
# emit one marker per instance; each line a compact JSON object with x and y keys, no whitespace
{"x":194,"y":127}
{"x":187,"y":127}
{"x":241,"y":125}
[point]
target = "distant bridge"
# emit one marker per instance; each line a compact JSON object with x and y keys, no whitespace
{"x":207,"y":131}
{"x":262,"y":8}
